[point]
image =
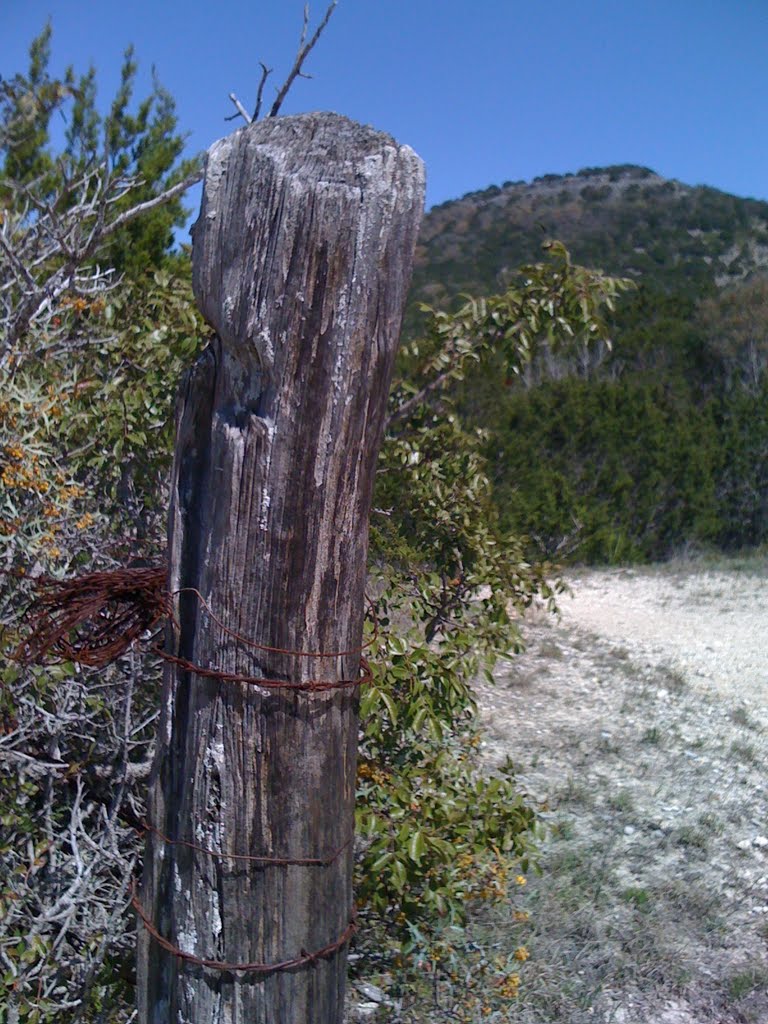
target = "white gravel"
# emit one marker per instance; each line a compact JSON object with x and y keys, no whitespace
{"x":710,"y":624}
{"x":638,"y":723}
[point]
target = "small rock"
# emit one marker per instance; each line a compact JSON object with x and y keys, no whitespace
{"x":365,"y":1011}
{"x":760,"y":841}
{"x":629,"y":830}
{"x":371,"y":992}
{"x":744,"y":844}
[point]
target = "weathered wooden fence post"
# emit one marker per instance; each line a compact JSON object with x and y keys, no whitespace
{"x":302,"y":258}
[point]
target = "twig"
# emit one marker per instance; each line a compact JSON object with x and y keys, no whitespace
{"x":150,"y":204}
{"x":404,"y":410}
{"x":241,"y":111}
{"x":304,"y":50}
{"x":265,"y":73}
{"x":41,"y":295}
{"x":21,"y":272}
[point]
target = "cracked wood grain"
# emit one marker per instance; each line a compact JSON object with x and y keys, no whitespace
{"x":301,"y":262}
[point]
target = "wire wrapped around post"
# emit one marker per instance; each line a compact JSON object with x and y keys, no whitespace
{"x":306,"y":862}
{"x":94,"y":618}
{"x":304,"y":959}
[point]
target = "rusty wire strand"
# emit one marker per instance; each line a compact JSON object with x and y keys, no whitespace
{"x":94,"y":618}
{"x":302,"y":960}
{"x":278,"y":650}
{"x":307,"y":686}
{"x":280,"y":861}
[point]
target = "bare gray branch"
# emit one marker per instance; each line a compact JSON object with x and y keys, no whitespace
{"x":241,"y":111}
{"x":265,"y":73}
{"x":305,"y":48}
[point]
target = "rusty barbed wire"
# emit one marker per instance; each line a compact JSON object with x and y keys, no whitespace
{"x":147,"y":828}
{"x":94,"y":618}
{"x":306,"y":686}
{"x":302,"y":960}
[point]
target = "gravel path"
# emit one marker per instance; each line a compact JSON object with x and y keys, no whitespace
{"x":712,"y":625}
{"x":639,"y":724}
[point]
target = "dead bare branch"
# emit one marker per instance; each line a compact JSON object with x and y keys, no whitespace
{"x":241,"y":111}
{"x":44,"y":255}
{"x":305,"y":48}
{"x":150,"y":204}
{"x":265,"y":73}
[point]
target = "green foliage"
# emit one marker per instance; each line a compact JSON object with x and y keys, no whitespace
{"x":26,"y":106}
{"x":137,"y":150}
{"x":549,"y":310}
{"x":742,"y":483}
{"x":443,"y":837}
{"x":663,"y":445}
{"x":734,"y":328}
{"x":617,"y":470}
{"x":121,"y":425}
{"x":146,"y":146}
{"x":87,"y":388}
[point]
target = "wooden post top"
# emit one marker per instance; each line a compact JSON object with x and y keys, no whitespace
{"x":283,"y":177}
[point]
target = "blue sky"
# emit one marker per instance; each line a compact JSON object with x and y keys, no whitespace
{"x":484,"y":90}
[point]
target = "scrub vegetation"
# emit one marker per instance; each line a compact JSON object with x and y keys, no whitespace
{"x":562,"y":412}
{"x":98,"y":325}
{"x":656,"y":443}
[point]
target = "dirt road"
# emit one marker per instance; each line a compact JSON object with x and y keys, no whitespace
{"x":639,"y":725}
{"x":710,"y":624}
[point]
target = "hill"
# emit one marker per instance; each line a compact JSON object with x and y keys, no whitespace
{"x":625,"y":219}
{"x":662,"y":442}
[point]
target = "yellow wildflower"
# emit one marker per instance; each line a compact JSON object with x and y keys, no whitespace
{"x":510,"y":986}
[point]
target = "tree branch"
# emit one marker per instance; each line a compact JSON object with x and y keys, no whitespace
{"x":76,"y":251}
{"x":304,"y":50}
{"x":150,"y":204}
{"x":404,"y":411}
{"x":265,"y":73}
{"x":241,"y":111}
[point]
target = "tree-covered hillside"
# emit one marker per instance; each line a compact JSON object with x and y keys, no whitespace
{"x":626,"y":220}
{"x":658,"y":441}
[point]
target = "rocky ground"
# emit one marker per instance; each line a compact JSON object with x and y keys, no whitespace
{"x":639,"y":724}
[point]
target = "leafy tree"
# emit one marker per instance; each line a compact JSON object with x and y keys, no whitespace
{"x":616,"y":470}
{"x":90,"y":359}
{"x":67,"y":217}
{"x":742,"y":483}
